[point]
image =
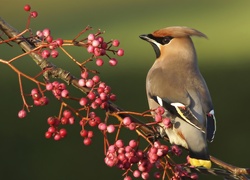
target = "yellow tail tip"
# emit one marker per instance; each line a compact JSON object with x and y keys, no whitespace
{"x":200,"y":162}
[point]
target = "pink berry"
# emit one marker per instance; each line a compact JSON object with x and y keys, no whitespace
{"x":127,"y":178}
{"x":43,"y":101}
{"x":33,"y":14}
{"x":167,"y":122}
{"x":91,"y":37}
{"x":126,"y":121}
{"x":49,"y":39}
{"x":97,"y":52}
{"x":102,"y":126}
{"x":45,"y":54}
{"x":100,"y":39}
{"x":90,"y":49}
{"x":116,"y":43}
{"x":120,"y":52}
{"x":65,"y":93}
{"x":90,"y":83}
{"x":59,"y":42}
{"x":84,"y":75}
{"x":96,"y":78}
{"x":136,"y":173}
{"x":83,"y":101}
{"x":132,"y":126}
{"x":145,"y":175}
{"x":22,"y":114}
{"x":95,"y":43}
{"x":110,"y":128}
{"x":90,"y":134}
{"x":27,"y":7}
{"x":99,"y":62}
{"x":82,"y":82}
{"x":46,"y":32}
{"x":104,"y":45}
{"x":113,"y":62}
{"x":39,"y":34}
{"x":71,"y":120}
{"x":112,"y":97}
{"x":133,"y":143}
{"x":54,"y":53}
{"x":119,"y":143}
{"x":49,"y":86}
{"x":91,"y":95}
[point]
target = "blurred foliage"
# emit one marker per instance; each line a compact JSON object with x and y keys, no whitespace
{"x":223,"y":58}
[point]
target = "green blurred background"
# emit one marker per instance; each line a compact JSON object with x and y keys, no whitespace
{"x":223,"y":59}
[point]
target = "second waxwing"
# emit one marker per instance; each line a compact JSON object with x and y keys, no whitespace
{"x":175,"y":83}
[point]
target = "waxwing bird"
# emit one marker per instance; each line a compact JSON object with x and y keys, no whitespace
{"x":175,"y":83}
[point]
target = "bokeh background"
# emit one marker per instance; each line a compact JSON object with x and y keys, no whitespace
{"x":224,"y":60}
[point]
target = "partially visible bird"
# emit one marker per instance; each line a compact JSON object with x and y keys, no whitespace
{"x":175,"y":83}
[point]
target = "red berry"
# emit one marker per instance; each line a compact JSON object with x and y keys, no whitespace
{"x":90,"y":83}
{"x":84,"y":75}
{"x":49,"y":86}
{"x":119,"y":143}
{"x":22,"y":113}
{"x":99,"y":62}
{"x":54,"y":53}
{"x":83,"y":101}
{"x":113,"y":62}
{"x":126,"y":121}
{"x":91,"y":95}
{"x":51,"y":121}
{"x":136,"y":173}
{"x":67,"y":113}
{"x":43,"y":101}
{"x":48,"y":135}
{"x":120,"y":52}
{"x":45,"y":54}
{"x":64,"y":120}
{"x":49,"y":38}
{"x":27,"y":7}
{"x":133,"y":143}
{"x":52,"y":129}
{"x":116,"y":43}
{"x":87,"y":141}
{"x":33,"y":14}
{"x":46,"y":32}
{"x":96,"y":78}
{"x":59,"y":42}
{"x":63,"y":132}
{"x":112,"y":97}
{"x":57,"y":137}
{"x":71,"y":120}
{"x":84,"y":133}
{"x":90,"y":49}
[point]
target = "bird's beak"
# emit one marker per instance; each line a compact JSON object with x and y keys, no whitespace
{"x":145,"y":37}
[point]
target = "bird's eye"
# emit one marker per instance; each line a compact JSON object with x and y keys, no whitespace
{"x":166,"y":40}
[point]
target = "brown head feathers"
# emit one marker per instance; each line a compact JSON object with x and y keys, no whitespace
{"x":178,"y":31}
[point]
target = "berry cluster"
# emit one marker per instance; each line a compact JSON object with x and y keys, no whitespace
{"x":124,"y":157}
{"x":54,"y":122}
{"x":99,"y":94}
{"x":47,"y":39}
{"x":58,"y":89}
{"x":159,"y":118}
{"x":33,"y":14}
{"x":98,"y":47}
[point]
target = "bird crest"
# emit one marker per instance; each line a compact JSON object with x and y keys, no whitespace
{"x":178,"y":31}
